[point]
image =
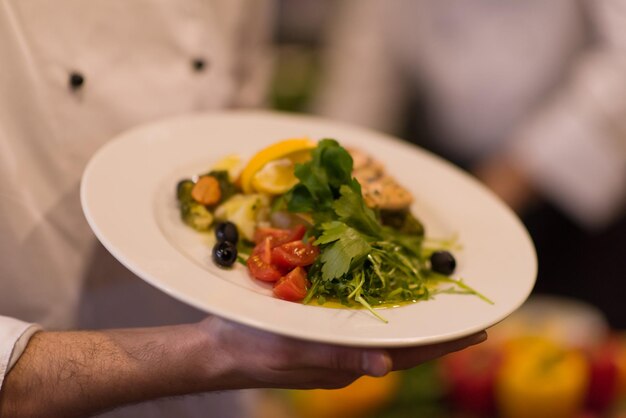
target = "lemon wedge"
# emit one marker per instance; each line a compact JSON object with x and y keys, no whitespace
{"x":294,"y":150}
{"x":276,"y":177}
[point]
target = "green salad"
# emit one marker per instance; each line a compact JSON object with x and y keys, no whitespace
{"x":345,"y":251}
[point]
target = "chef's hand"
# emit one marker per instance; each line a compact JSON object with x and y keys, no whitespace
{"x":77,"y":374}
{"x":263,"y":359}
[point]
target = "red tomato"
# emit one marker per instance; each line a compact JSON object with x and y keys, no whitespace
{"x":293,"y":286}
{"x":294,"y":254}
{"x":259,"y":262}
{"x":279,"y":236}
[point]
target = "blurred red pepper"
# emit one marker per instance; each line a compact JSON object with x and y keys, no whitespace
{"x":470,"y":375}
{"x":603,"y":377}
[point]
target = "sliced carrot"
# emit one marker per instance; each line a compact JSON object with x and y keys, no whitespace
{"x":207,"y":190}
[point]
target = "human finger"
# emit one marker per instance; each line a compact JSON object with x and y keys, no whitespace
{"x":406,"y":358}
{"x":371,"y":362}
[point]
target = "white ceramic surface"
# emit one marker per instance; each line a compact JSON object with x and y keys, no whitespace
{"x":128,"y":196}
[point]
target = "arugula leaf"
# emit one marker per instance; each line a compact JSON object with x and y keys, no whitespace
{"x":320,"y":179}
{"x":299,"y":199}
{"x":314,"y":180}
{"x":337,"y":162}
{"x":351,"y":209}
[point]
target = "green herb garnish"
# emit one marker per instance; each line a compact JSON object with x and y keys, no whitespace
{"x":362,"y":261}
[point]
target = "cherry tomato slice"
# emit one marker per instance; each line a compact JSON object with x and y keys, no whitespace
{"x":259,"y":262}
{"x":279,"y":236}
{"x":294,"y":254}
{"x":293,"y":286}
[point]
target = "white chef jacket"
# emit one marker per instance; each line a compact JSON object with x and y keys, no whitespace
{"x":542,"y":80}
{"x":72,"y":75}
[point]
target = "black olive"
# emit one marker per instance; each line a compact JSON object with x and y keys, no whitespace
{"x":443,"y":262}
{"x":227,"y":231}
{"x":225,"y":253}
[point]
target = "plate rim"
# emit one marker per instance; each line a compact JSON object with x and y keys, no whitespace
{"x":254,"y":322}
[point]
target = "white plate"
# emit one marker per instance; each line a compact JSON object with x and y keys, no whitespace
{"x":128,"y":198}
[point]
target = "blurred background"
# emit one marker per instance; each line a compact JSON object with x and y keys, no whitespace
{"x":529,"y":97}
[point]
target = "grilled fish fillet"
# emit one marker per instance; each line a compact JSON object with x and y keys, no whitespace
{"x":380,"y":190}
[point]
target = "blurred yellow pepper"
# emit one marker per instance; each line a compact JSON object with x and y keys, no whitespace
{"x":539,"y":379}
{"x":361,"y":398}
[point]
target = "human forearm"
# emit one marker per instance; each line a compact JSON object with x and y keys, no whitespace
{"x":74,"y":374}
{"x":78,"y":373}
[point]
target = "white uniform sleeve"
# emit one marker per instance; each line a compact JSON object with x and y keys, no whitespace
{"x":574,"y":149}
{"x":14,"y":336}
